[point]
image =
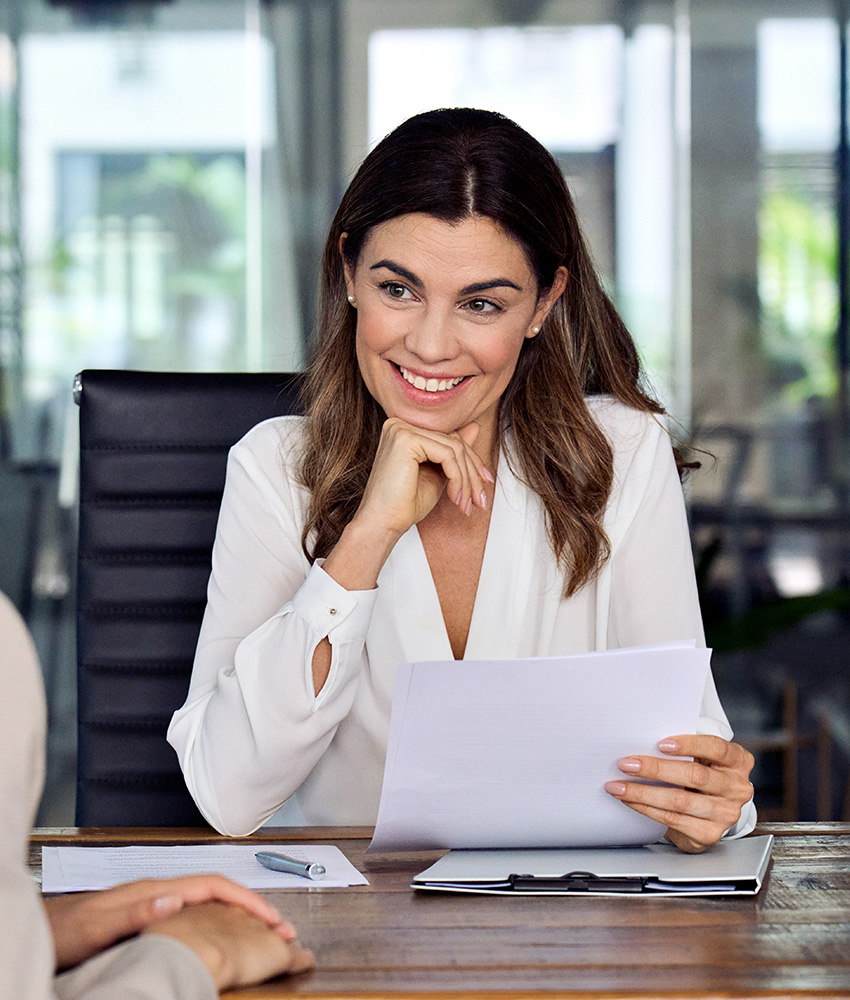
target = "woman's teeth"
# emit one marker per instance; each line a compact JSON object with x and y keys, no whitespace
{"x":430,"y":384}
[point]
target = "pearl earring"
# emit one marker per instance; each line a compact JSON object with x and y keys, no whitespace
{"x":351,"y":299}
{"x":535,"y":330}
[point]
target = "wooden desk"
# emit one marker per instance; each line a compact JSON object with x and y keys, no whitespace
{"x":384,"y":940}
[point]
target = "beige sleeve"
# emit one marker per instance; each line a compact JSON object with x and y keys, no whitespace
{"x":26,"y":946}
{"x":147,"y":968}
{"x":153,"y":968}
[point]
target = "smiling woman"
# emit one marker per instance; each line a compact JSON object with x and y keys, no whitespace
{"x":443,"y":312}
{"x":479,"y":475}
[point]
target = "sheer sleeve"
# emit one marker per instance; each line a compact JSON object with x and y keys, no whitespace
{"x":252,"y":729}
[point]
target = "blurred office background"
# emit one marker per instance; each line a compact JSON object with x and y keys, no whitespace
{"x":168,"y":169}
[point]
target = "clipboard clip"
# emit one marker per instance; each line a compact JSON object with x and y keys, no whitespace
{"x":576,"y":882}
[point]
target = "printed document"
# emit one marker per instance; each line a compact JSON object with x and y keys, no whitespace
{"x":72,"y":869}
{"x":516,"y":753}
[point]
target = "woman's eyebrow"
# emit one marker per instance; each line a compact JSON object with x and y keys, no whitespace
{"x":482,"y":286}
{"x":478,"y":286}
{"x":391,"y":265}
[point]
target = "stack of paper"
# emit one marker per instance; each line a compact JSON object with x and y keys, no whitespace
{"x":516,"y":753}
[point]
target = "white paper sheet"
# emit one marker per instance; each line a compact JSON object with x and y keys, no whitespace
{"x":516,"y":753}
{"x":71,"y":869}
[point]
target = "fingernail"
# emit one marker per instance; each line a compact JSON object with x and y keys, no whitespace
{"x":459,"y":497}
{"x":164,"y":905}
{"x":615,"y":787}
{"x":668,"y":746}
{"x":488,"y":475}
{"x":629,"y":764}
{"x":286,"y":931}
{"x":484,"y":500}
{"x":469,"y":506}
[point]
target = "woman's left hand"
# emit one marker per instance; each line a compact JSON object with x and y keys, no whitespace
{"x":700,"y":798}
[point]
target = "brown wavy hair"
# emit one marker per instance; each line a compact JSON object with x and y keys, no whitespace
{"x":452,"y":164}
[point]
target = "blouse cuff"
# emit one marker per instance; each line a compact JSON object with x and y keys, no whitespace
{"x":746,"y":823}
{"x":331,"y":610}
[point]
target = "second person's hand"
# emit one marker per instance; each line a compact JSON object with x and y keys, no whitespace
{"x":84,"y":924}
{"x":237,"y":948}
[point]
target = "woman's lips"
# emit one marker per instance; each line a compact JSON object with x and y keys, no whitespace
{"x":433,"y":385}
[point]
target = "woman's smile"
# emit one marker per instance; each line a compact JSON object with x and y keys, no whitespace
{"x":428,"y":383}
{"x":443,"y":310}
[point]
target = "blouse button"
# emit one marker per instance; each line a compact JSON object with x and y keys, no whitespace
{"x":331,"y":611}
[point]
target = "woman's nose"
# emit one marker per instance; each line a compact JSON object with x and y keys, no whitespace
{"x":431,"y":337}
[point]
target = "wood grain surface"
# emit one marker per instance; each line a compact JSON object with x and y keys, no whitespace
{"x":385,"y":940}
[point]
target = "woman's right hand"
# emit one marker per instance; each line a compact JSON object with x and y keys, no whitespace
{"x":413,"y":468}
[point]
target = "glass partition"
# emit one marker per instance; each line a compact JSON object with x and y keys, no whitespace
{"x":168,"y":171}
{"x":600,"y":93}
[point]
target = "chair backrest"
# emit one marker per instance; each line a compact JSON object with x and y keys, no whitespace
{"x":153,"y":451}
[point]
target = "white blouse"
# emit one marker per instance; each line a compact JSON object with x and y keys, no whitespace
{"x":252,"y":734}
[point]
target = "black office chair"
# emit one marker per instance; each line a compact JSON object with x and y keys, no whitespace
{"x":153,"y":450}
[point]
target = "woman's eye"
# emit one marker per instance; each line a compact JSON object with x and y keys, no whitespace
{"x":395,"y":290}
{"x":482,"y":306}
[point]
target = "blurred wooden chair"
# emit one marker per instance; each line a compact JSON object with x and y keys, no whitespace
{"x":786,"y":740}
{"x":833,"y":735}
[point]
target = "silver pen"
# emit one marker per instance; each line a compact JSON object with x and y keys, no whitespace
{"x":282,"y":863}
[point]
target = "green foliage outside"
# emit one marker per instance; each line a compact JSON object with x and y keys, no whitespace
{"x":755,"y":627}
{"x":202,"y":202}
{"x":193,"y":207}
{"x":798,"y":293}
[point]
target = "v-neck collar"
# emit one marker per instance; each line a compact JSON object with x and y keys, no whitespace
{"x":514,"y":568}
{"x":512,"y":586}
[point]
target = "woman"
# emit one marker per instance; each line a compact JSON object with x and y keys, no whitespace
{"x":479,"y":475}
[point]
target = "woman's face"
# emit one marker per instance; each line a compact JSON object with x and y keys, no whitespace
{"x":442,"y":313}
